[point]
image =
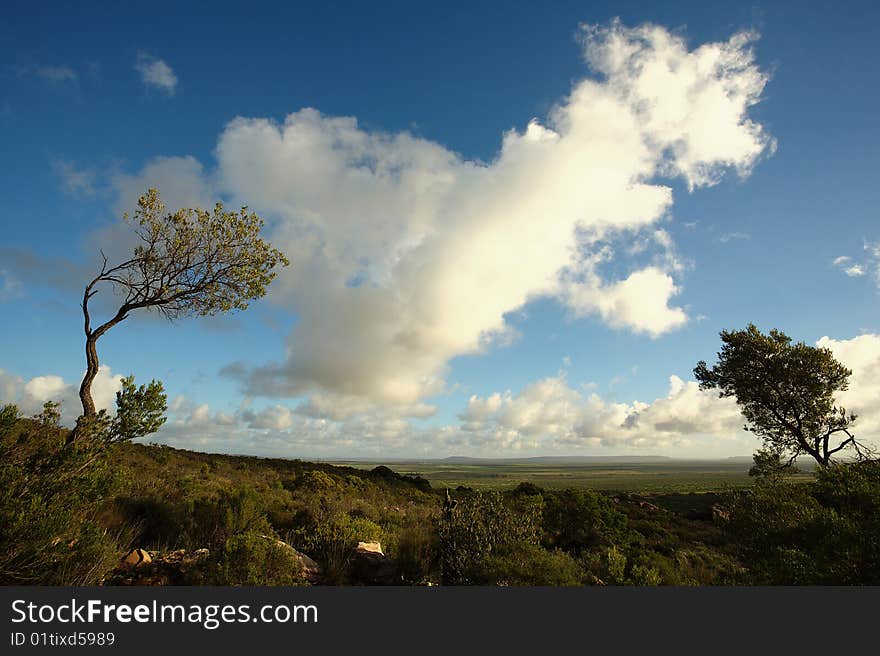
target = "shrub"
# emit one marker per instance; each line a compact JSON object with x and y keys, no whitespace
{"x":796,"y":534}
{"x":577,"y":521}
{"x":50,"y":498}
{"x":530,"y":565}
{"x":611,"y":566}
{"x":254,"y":559}
{"x":332,"y":540}
{"x":215,"y":519}
{"x":479,"y":527}
{"x":417,"y":553}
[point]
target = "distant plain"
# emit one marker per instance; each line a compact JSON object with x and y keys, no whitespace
{"x":648,"y":475}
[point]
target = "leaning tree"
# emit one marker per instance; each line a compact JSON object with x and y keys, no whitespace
{"x":191,"y":262}
{"x":786,"y":393}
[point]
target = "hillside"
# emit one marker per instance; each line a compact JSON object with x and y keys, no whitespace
{"x":70,"y":515}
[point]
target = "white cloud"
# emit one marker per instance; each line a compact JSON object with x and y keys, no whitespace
{"x":30,"y":395}
{"x":640,"y":302}
{"x":733,"y":236}
{"x":156,"y":73}
{"x":870,"y":263}
{"x":862,"y":355}
{"x":275,"y":417}
{"x":549,"y":415}
{"x":74,"y":179}
{"x":181,"y":181}
{"x":406,"y":255}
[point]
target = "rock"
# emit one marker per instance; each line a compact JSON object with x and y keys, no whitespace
{"x":649,"y":506}
{"x":370,"y":547}
{"x":171,"y":568}
{"x":370,"y":566}
{"x":137,"y":558}
{"x":720,"y":514}
{"x":309,"y":569}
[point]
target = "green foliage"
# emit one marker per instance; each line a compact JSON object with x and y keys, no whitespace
{"x":332,"y":539}
{"x":195,"y":262}
{"x":214,"y":520}
{"x":526,"y":564}
{"x":9,"y":414}
{"x":770,"y":464}
{"x":416,"y":549}
{"x":50,"y":415}
{"x":785,"y":391}
{"x":613,"y":567}
{"x":254,"y":559}
{"x":478,"y":528}
{"x":51,"y":497}
{"x":582,"y":520}
{"x":821,"y":534}
{"x":140,"y":411}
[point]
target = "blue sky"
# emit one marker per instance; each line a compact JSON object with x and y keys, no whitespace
{"x":512,"y":300}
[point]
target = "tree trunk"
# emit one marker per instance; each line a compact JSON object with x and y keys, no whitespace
{"x":85,"y":389}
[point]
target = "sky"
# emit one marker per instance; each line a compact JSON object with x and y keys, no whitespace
{"x":514,"y":228}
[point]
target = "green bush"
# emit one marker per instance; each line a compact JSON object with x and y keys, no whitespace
{"x":820,"y":534}
{"x":331,"y":541}
{"x":611,"y":566}
{"x":482,"y":526}
{"x":530,"y":565}
{"x":215,"y":519}
{"x":578,"y":521}
{"x":51,"y":496}
{"x":254,"y":559}
{"x":416,"y":550}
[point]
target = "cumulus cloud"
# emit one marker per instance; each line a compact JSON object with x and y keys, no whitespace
{"x":862,"y":355}
{"x":640,"y":302}
{"x":156,"y":73}
{"x":551,"y":415}
{"x":181,"y":180}
{"x":30,"y":394}
{"x":547,"y":416}
{"x":406,"y":254}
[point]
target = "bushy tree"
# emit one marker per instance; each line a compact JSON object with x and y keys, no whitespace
{"x":188,"y":263}
{"x":785,"y":392}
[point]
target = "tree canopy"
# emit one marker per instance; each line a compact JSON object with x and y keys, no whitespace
{"x":191,"y":262}
{"x":785,"y":391}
